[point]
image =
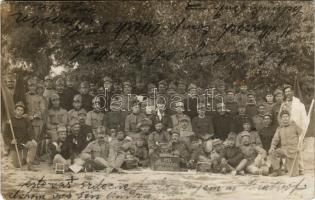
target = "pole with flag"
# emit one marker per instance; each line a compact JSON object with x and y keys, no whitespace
{"x":5,"y":98}
{"x":301,"y":138}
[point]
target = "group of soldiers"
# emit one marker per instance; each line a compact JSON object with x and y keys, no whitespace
{"x":115,"y":126}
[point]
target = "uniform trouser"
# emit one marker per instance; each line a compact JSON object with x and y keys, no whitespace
{"x":278,"y":154}
{"x":27,"y":153}
{"x":99,"y":162}
{"x":258,"y":166}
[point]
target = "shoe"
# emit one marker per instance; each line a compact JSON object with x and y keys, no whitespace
{"x":31,"y":168}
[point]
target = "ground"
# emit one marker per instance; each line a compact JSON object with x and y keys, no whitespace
{"x":151,"y":185}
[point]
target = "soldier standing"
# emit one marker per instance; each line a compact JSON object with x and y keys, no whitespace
{"x":95,"y":117}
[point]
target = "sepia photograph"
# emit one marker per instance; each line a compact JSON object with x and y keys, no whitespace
{"x":157,"y":100}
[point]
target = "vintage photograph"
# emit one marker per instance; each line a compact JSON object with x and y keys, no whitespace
{"x":157,"y":100}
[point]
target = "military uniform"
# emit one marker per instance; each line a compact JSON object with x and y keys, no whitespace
{"x":131,"y":122}
{"x":258,"y":121}
{"x":254,"y":138}
{"x":154,"y":141}
{"x":95,"y":119}
{"x":288,"y":138}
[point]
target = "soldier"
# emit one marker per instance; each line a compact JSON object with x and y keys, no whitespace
{"x":171,"y":90}
{"x":287,"y":137}
{"x":118,"y":88}
{"x":69,"y":92}
{"x":222,"y":123}
{"x":231,"y":104}
{"x":254,"y":155}
{"x":179,"y":148}
{"x":202,"y":125}
{"x":152,"y":94}
{"x":141,"y":150}
{"x":156,"y":139}
{"x":73,"y":114}
{"x":120,"y":149}
{"x":251,"y":109}
{"x":175,"y":118}
{"x":86,"y":98}
{"x":55,"y":116}
{"x":95,"y":118}
{"x":162,"y":93}
{"x":96,"y":153}
{"x":84,"y":128}
{"x":127,"y":97}
{"x":268,"y":104}
{"x":233,"y":155}
{"x":181,"y":90}
{"x":49,"y":84}
{"x":36,"y":110}
{"x":258,"y":119}
{"x":114,"y":119}
{"x":220,"y":87}
{"x":59,"y":150}
{"x":93,"y":89}
{"x":60,"y":90}
{"x":254,"y":136}
{"x":240,"y":118}
{"x":278,"y":94}
{"x":133,"y":119}
{"x":108,"y":87}
{"x":267,"y":132}
{"x":24,"y":138}
{"x":191,"y":101}
{"x":144,"y":127}
{"x":161,"y":115}
{"x":241,"y":97}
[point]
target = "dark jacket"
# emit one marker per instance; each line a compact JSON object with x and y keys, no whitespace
{"x":223,"y":125}
{"x":233,"y":155}
{"x":202,"y":126}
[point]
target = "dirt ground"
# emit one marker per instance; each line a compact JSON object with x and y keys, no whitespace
{"x":151,"y":185}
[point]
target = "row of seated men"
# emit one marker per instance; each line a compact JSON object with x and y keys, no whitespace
{"x":78,"y":144}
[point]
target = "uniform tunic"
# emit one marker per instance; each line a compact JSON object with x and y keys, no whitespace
{"x":202,"y":126}
{"x":54,"y":119}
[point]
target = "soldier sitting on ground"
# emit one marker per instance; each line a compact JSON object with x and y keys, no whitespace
{"x":141,"y":150}
{"x":255,"y":156}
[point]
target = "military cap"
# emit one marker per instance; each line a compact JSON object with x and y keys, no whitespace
{"x":277,"y":91}
{"x":60,"y":81}
{"x":220,"y":105}
{"x":48,"y":77}
{"x":232,"y":136}
{"x":82,"y":112}
{"x":244,"y":133}
{"x":202,"y":106}
{"x":19,"y":104}
{"x":151,"y":86}
{"x":211,"y":84}
{"x":286,"y":86}
{"x":216,"y":142}
{"x":139,"y":137}
{"x":77,"y":97}
{"x":284,"y":112}
{"x":107,"y":79}
{"x":101,"y":129}
{"x":54,"y":96}
{"x":181,"y":82}
{"x":163,"y":82}
{"x":230,"y":90}
{"x":192,"y":86}
{"x":31,"y":81}
{"x":85,"y":84}
{"x":179,"y":104}
{"x":175,"y":131}
{"x":268,"y":92}
{"x":126,"y":83}
{"x":183,"y":119}
{"x":251,"y":92}
{"x":61,"y":129}
{"x":172,"y":86}
{"x":268,"y":115}
{"x":246,"y":120}
{"x":74,"y":122}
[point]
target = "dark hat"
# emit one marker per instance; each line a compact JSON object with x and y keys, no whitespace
{"x":163,"y":82}
{"x":175,"y":131}
{"x":286,"y":86}
{"x":172,"y":86}
{"x":82,"y":112}
{"x":19,"y":104}
{"x":246,"y":120}
{"x":251,"y":92}
{"x":126,"y":83}
{"x":244,"y":133}
{"x":192,"y":86}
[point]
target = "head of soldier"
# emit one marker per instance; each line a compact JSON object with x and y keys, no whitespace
{"x":19,"y":109}
{"x":230,"y":95}
{"x":245,"y":139}
{"x":230,"y":141}
{"x":96,"y":104}
{"x":207,"y":146}
{"x":101,"y":133}
{"x":62,"y":133}
{"x":221,"y":108}
{"x":107,"y":83}
{"x":267,"y":120}
{"x":10,"y":81}
{"x":158,"y":127}
{"x":246,"y":126}
{"x":162,"y":87}
{"x":84,"y":88}
{"x":70,"y":81}
{"x":120,"y":135}
{"x":220,"y":86}
{"x":251,"y":98}
{"x":140,"y":141}
{"x":269,"y":98}
{"x":49,"y":84}
{"x":278,"y":96}
{"x":175,"y":137}
{"x":135,"y":108}
{"x":243,"y":88}
{"x":184,"y":123}
{"x":55,"y":101}
{"x":75,"y":128}
{"x":145,"y":126}
{"x":202,"y":110}
{"x":77,"y":102}
{"x":127,"y":89}
{"x":181,"y":87}
{"x":60,"y":85}
{"x":288,"y":92}
{"x":179,"y":107}
{"x":31,"y":84}
{"x":261,"y":109}
{"x":82,"y":116}
{"x":285,"y":118}
{"x":217,"y":145}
